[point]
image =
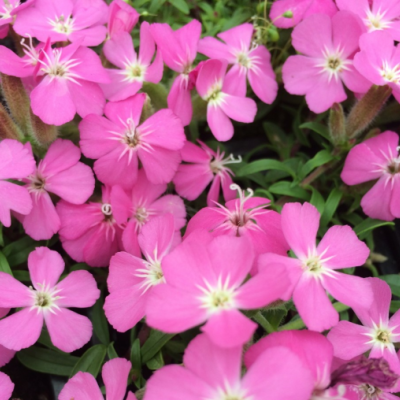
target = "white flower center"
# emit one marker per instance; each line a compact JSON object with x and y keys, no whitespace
{"x":376,"y":22}
{"x":369,"y":392}
{"x":313,"y":264}
{"x":333,"y":63}
{"x":62,"y":24}
{"x":37,"y":183}
{"x":5,"y":11}
{"x":134,"y":71}
{"x":382,"y":336}
{"x":230,"y":393}
{"x":243,"y":60}
{"x":217,"y":297}
{"x":215,"y":96}
{"x":55,"y":68}
{"x":152,"y":273}
{"x":45,"y":299}
{"x":106,"y":209}
{"x":389,"y":73}
{"x":218,"y":162}
{"x":30,"y":51}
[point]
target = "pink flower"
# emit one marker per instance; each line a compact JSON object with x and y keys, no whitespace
{"x":132,"y":70}
{"x":89,"y":232}
{"x":115,"y":375}
{"x":205,"y":166}
{"x":69,"y":84}
{"x":16,"y":162}
{"x":328,"y":45}
{"x":379,"y":60}
{"x":6,"y":387}
{"x":247,"y":217}
{"x":288,"y":13}
{"x":222,"y":105}
{"x":314,"y":270}
{"x":376,"y":158}
{"x":378,"y":333}
{"x":206,"y":282}
{"x":121,"y":18}
{"x":131,"y":279}
{"x":211,"y":372}
{"x":142,"y":205}
{"x":47,"y":302}
{"x":377,"y":15}
{"x":9,"y":9}
{"x":179,"y":49}
{"x":61,"y":173}
{"x":64,"y":20}
{"x":248,"y":59}
{"x":119,"y":141}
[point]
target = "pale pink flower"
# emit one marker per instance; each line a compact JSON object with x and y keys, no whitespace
{"x":211,"y":372}
{"x":64,"y":20}
{"x":245,"y":216}
{"x":143,"y":203}
{"x":379,"y":60}
{"x":204,"y":166}
{"x":327,"y":46}
{"x":376,"y":158}
{"x":121,"y":18}
{"x":47,"y":302}
{"x":83,"y":386}
{"x":6,"y":387}
{"x":69,"y":84}
{"x":131,"y":279}
{"x":9,"y":9}
{"x":313,"y":272}
{"x":377,"y":334}
{"x":179,"y":50}
{"x":206,"y":283}
{"x":132,"y":69}
{"x":377,"y":15}
{"x":5,"y":354}
{"x":120,"y":141}
{"x":249,"y":60}
{"x":16,"y":162}
{"x":89,"y":232}
{"x":61,"y":173}
{"x":221,"y":104}
{"x":288,"y":13}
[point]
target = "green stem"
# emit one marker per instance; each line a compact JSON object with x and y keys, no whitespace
{"x":264,"y":322}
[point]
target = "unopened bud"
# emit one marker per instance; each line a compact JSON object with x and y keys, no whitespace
{"x":42,"y":133}
{"x":288,"y":14}
{"x":273,"y":34}
{"x":8,"y":128}
{"x":157,"y":93}
{"x":148,"y":109}
{"x":337,"y":124}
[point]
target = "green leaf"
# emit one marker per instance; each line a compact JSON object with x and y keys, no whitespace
{"x":155,"y":5}
{"x":330,"y":206}
{"x":1,"y":235}
{"x":317,"y":128}
{"x":156,"y":362}
{"x":22,"y":276}
{"x":288,"y":189}
{"x":394,"y":282}
{"x":317,"y":200}
{"x":47,"y":361}
{"x":154,"y":344}
{"x":264,"y":165}
{"x":321,"y":158}
{"x":4,"y":266}
{"x":17,"y":252}
{"x":111,"y":353}
{"x":100,"y":326}
{"x":369,"y":224}
{"x":91,"y":361}
{"x":394,"y":306}
{"x":181,"y":5}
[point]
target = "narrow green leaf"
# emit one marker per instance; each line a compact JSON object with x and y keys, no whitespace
{"x":317,"y":128}
{"x":317,"y":200}
{"x":181,"y":5}
{"x":155,"y":5}
{"x":264,"y":165}
{"x":100,"y":325}
{"x":4,"y":266}
{"x":321,"y":158}
{"x":22,"y":276}
{"x":111,"y":353}
{"x":287,"y":189}
{"x":47,"y":361}
{"x":18,"y":246}
{"x":136,"y":361}
{"x":156,"y":362}
{"x":394,"y":282}
{"x":91,"y":361}
{"x":17,"y":252}
{"x":370,"y":224}
{"x":154,"y":344}
{"x":330,"y":206}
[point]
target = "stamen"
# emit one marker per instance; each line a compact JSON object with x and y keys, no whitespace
{"x":106,"y":209}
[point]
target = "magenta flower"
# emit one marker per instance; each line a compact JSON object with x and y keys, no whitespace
{"x":179,"y":49}
{"x":328,"y":46}
{"x":89,"y":232}
{"x":379,"y":60}
{"x":211,"y":372}
{"x":61,"y":173}
{"x":121,"y":18}
{"x":6,"y":387}
{"x":205,"y":166}
{"x":288,"y":13}
{"x":132,"y":70}
{"x":119,"y":141}
{"x":249,"y":60}
{"x":377,"y":15}
{"x":64,"y":20}
{"x":245,"y":216}
{"x":47,"y":302}
{"x":141,"y":205}
{"x":69,"y":84}
{"x":206,"y":282}
{"x":314,"y":270}
{"x":115,"y":375}
{"x":9,"y":9}
{"x":16,"y":162}
{"x":376,"y":158}
{"x":378,"y":333}
{"x":131,"y":279}
{"x":222,"y":105}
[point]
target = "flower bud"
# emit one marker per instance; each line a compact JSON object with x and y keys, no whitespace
{"x":273,"y":34}
{"x":337,"y":124}
{"x":42,"y":133}
{"x":8,"y":128}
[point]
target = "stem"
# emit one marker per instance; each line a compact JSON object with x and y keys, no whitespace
{"x":264,"y":322}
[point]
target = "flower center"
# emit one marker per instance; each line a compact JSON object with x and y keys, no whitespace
{"x":383,"y":336}
{"x":5,"y":12}
{"x":370,"y":392}
{"x":134,"y":72}
{"x":45,"y":298}
{"x":218,"y":162}
{"x":152,"y":274}
{"x":394,"y":167}
{"x":313,"y":265}
{"x":63,"y":24}
{"x":215,"y":95}
{"x":141,"y":215}
{"x":30,"y":52}
{"x":218,"y":297}
{"x":106,"y":209}
{"x":243,"y":60}
{"x":37,"y":183}
{"x":333,"y":63}
{"x":55,"y":68}
{"x":390,"y":74}
{"x":375,"y":22}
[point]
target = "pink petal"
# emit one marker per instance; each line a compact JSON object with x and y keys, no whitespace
{"x":83,"y":385}
{"x":6,"y":387}
{"x":119,"y":49}
{"x":13,"y":197}
{"x":191,"y":180}
{"x":213,"y":193}
{"x":180,"y":100}
{"x":370,"y":72}
{"x":45,"y":267}
{"x":13,"y":293}
{"x":5,"y":356}
{"x":226,"y":182}
{"x":11,"y":64}
{"x":78,"y":289}
{"x":220,"y":125}
{"x":130,"y":239}
{"x":68,"y":330}
{"x":16,"y":160}
{"x":62,"y":155}
{"x":354,"y":80}
{"x":119,"y":88}
{"x":21,"y":330}
{"x":174,"y":205}
{"x":384,"y":146}
{"x":389,"y":354}
{"x":313,"y":304}
{"x":115,"y":377}
{"x":188,"y":36}
{"x":213,"y":48}
{"x":121,"y":204}
{"x":235,"y":81}
{"x":126,"y":109}
{"x":240,"y":109}
{"x":154,"y":72}
{"x":220,"y":326}
{"x":93,"y":36}
{"x":211,"y":71}
{"x":357,"y":8}
{"x":121,"y":274}
{"x":147,"y":45}
{"x":395,"y":197}
{"x":90,"y":68}
{"x":239,"y":37}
